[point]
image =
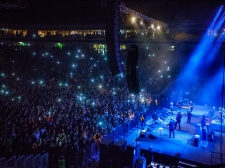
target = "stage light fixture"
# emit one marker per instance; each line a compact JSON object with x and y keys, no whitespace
{"x":133,"y":20}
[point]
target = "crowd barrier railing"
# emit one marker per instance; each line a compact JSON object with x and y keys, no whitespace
{"x":37,"y":161}
{"x":123,"y":129}
{"x":11,"y":162}
{"x":20,"y":162}
{"x":44,"y":161}
{"x":3,"y":161}
{"x":90,"y":151}
{"x":29,"y":162}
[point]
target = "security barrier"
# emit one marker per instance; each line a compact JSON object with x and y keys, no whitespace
{"x":91,"y":150}
{"x":3,"y":161}
{"x":44,"y":161}
{"x":29,"y":162}
{"x":37,"y":161}
{"x":123,"y":129}
{"x":20,"y":162}
{"x":81,"y":159}
{"x":11,"y":162}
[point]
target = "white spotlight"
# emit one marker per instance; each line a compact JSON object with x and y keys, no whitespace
{"x":133,"y":20}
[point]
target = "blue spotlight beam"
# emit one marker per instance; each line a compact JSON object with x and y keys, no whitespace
{"x":221,"y":18}
{"x":220,"y":23}
{"x":216,"y":17}
{"x":210,"y":91}
{"x":217,"y":44}
{"x":197,"y":57}
{"x":214,"y":51}
{"x":192,"y":68}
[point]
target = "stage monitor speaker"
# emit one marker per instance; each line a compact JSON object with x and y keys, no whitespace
{"x":132,"y":70}
{"x":118,"y":154}
{"x":196,"y":140}
{"x":132,"y":153}
{"x":152,"y":136}
{"x":106,"y":153}
{"x":113,"y":37}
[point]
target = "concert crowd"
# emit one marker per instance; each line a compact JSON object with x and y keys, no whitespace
{"x":64,"y":98}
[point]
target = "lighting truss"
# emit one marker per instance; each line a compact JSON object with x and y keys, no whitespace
{"x":124,"y":9}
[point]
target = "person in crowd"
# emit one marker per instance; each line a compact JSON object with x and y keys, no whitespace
{"x":171,"y":127}
{"x":178,"y":120}
{"x":142,"y":119}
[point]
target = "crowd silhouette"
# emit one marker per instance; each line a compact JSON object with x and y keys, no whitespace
{"x":61,"y":100}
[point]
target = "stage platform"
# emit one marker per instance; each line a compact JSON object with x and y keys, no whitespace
{"x":217,"y":127}
{"x":183,"y":143}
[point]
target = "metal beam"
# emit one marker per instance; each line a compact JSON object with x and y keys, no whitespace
{"x":124,"y":9}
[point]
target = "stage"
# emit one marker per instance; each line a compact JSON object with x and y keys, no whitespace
{"x":183,"y":143}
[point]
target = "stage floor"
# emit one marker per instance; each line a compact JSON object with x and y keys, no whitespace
{"x":183,"y":141}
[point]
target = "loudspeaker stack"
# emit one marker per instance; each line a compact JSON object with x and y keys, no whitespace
{"x":105,"y":153}
{"x":132,"y":70}
{"x":132,"y":154}
{"x":118,"y":155}
{"x":113,"y":36}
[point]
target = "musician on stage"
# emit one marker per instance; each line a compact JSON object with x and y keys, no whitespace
{"x":171,"y":106}
{"x":171,"y":127}
{"x":178,"y":120}
{"x":191,"y":106}
{"x":180,"y":105}
{"x":189,"y":115}
{"x":203,"y":121}
{"x":154,"y":116}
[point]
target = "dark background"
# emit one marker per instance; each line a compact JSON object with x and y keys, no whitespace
{"x":91,"y":11}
